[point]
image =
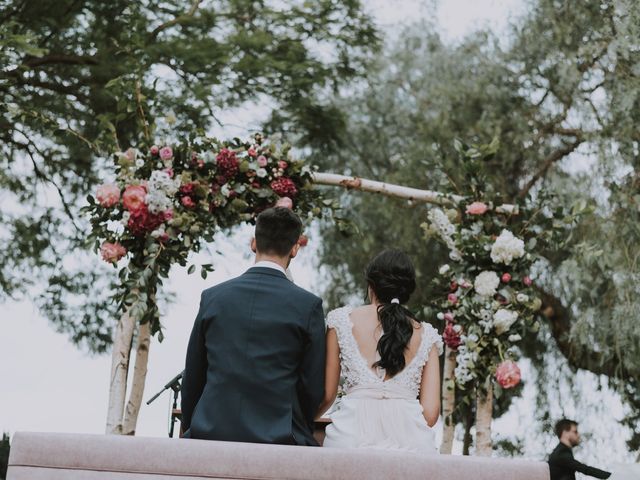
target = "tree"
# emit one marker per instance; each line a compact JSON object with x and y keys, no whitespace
{"x":563,"y":98}
{"x":82,"y":79}
{"x":4,"y":455}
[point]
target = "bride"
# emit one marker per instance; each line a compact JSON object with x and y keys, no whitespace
{"x":391,"y":370}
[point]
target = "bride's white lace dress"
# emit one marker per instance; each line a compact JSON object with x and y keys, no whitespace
{"x":378,"y":413}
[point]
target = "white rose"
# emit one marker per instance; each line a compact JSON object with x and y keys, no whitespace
{"x":261,"y":172}
{"x":522,"y":298}
{"x":506,"y":248}
{"x":503,"y":319}
{"x":440,"y":316}
{"x":444,"y":269}
{"x":515,"y":338}
{"x":486,"y":283}
{"x":139,"y":163}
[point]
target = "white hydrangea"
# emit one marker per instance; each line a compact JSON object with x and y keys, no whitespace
{"x":503,"y":319}
{"x":486,"y":283}
{"x":507,"y":248}
{"x":160,"y":190}
{"x":466,"y":360}
{"x":486,"y":320}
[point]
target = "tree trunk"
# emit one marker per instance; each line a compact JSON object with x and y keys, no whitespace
{"x":484,"y":413}
{"x":448,"y":400}
{"x":139,"y":376}
{"x":119,"y":371}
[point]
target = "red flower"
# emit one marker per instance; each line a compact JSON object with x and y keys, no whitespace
{"x":451,"y":337}
{"x":112,"y":252}
{"x":508,"y":374}
{"x":187,"y":188}
{"x":453,"y":299}
{"x":141,"y":221}
{"x":252,"y":152}
{"x":284,"y":187}
{"x":283,"y":165}
{"x":506,"y":277}
{"x":227,"y":164}
{"x":303,"y":241}
{"x":453,"y":286}
{"x":527,"y":281}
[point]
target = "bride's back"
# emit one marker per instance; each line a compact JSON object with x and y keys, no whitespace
{"x":367,"y":330}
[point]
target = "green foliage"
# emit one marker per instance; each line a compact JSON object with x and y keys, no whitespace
{"x":74,"y":77}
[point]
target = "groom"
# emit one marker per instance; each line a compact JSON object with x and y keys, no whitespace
{"x":255,"y":362}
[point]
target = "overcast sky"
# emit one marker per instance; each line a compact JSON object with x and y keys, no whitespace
{"x":49,"y":385}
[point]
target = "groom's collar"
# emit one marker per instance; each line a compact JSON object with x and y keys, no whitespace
{"x":268,"y":264}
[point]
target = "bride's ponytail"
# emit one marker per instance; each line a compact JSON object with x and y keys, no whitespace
{"x":391,"y":276}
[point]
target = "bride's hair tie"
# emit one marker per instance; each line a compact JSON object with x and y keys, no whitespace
{"x":395,"y":300}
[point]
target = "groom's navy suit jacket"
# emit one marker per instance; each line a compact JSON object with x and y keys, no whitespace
{"x":255,"y":362}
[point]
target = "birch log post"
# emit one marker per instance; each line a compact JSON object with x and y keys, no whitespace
{"x":448,"y":400}
{"x":484,"y":413}
{"x":119,"y":371}
{"x":138,"y":381}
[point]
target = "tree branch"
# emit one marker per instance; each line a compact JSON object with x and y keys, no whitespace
{"x":552,"y":158}
{"x":179,"y":19}
{"x":559,"y":319}
{"x":59,"y":58}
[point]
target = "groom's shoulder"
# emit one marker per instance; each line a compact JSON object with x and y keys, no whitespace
{"x":304,"y":294}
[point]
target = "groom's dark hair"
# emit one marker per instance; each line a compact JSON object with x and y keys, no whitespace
{"x":278,"y":229}
{"x":564,"y":425}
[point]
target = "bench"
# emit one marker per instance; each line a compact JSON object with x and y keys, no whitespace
{"x":56,"y":456}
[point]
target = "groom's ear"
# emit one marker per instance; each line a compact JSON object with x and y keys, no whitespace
{"x":253,"y":245}
{"x":294,"y":250}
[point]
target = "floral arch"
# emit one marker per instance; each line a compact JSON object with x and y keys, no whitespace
{"x":167,"y":200}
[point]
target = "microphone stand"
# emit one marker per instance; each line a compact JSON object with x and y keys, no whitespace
{"x":175,"y":385}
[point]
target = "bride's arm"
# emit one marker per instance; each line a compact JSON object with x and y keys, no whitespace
{"x":430,"y":388}
{"x":332,"y":372}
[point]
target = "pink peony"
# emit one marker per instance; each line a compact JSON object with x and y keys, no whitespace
{"x":262,"y":161}
{"x":453,"y":299}
{"x":284,"y":187}
{"x":154,"y":150}
{"x":285,"y":202}
{"x":527,"y":281}
{"x":506,"y":277}
{"x":133,"y":197}
{"x":187,"y":202}
{"x":450,"y":337}
{"x":112,"y":252}
{"x":166,"y":153}
{"x":508,"y":374}
{"x":303,"y":241}
{"x":283,"y":165}
{"x":476,"y":208}
{"x":108,"y":195}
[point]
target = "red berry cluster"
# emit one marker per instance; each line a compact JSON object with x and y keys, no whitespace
{"x":284,"y":187}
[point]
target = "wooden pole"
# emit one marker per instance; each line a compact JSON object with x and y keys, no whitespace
{"x":448,"y":400}
{"x":139,"y":377}
{"x":484,"y":413}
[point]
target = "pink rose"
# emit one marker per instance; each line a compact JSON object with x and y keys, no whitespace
{"x":168,"y":214}
{"x":527,"y":281}
{"x":169,"y":172}
{"x":112,"y":252}
{"x":252,"y":152}
{"x":449,"y":317}
{"x":508,"y":374}
{"x":166,"y":153}
{"x":130,"y":154}
{"x":283,"y":165}
{"x":108,"y":195}
{"x":262,"y":161}
{"x":285,"y":202}
{"x":453,"y":299}
{"x":133,"y":197}
{"x":303,"y":241}
{"x":476,"y":208}
{"x":154,"y":150}
{"x":506,"y":277}
{"x":187,"y":202}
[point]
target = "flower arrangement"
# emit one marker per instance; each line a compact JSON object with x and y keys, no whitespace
{"x":168,"y":199}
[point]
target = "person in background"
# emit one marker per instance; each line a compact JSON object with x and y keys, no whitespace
{"x":562,"y":465}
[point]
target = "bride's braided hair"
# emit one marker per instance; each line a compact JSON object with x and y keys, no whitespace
{"x":391,"y":276}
